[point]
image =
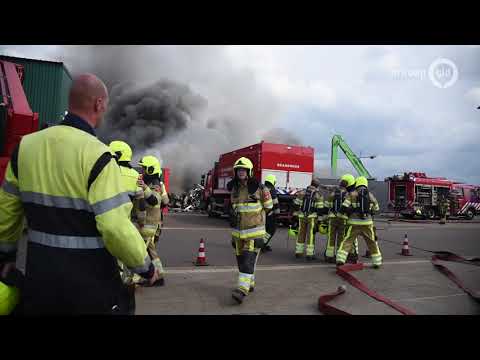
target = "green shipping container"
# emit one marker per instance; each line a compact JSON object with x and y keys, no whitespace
{"x":46,"y":85}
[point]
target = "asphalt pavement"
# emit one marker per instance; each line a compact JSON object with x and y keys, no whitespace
{"x":286,"y":285}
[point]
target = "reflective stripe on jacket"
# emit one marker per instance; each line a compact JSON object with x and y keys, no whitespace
{"x":149,"y":205}
{"x":69,"y":188}
{"x":351,"y":201}
{"x":249,"y":211}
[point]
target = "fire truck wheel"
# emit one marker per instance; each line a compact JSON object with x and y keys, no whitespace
{"x":470,"y":214}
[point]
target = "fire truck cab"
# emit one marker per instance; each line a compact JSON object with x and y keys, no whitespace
{"x":467,"y":200}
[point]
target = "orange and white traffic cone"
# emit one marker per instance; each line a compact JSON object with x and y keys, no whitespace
{"x":201,"y":258}
{"x":405,"y":249}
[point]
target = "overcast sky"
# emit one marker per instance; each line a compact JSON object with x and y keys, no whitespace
{"x":379,"y":98}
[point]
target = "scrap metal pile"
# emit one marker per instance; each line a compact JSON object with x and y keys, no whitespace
{"x":188,"y":201}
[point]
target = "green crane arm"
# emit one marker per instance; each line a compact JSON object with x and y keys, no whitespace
{"x":337,"y":142}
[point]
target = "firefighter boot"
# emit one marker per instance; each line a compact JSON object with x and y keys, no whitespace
{"x":329,"y":259}
{"x":146,"y":283}
{"x":238,"y":295}
{"x":159,"y":282}
{"x":352,"y":258}
{"x":266,"y":248}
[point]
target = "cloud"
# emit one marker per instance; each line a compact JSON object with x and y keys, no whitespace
{"x":473,"y":95}
{"x":376,"y":97}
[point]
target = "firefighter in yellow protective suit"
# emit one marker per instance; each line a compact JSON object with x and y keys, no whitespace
{"x":308,"y":206}
{"x":148,"y":209}
{"x":444,"y":208}
{"x":271,"y":222}
{"x":250,"y":201}
{"x":360,"y":205}
{"x":336,"y":220}
{"x":129,"y":179}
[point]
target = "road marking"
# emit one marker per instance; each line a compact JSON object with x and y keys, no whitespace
{"x":432,"y":297}
{"x":198,"y":228}
{"x":174,"y":213}
{"x":406,"y":228}
{"x":277,"y":267}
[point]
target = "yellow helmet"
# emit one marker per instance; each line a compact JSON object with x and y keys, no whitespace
{"x":361,"y":181}
{"x":9,"y":297}
{"x":349,"y":179}
{"x":323,"y":228}
{"x":244,"y":163}
{"x":293,"y":233}
{"x":122,"y":149}
{"x":151,"y":165}
{"x":272,"y":179}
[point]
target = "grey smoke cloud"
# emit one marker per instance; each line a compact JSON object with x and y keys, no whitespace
{"x":279,"y":135}
{"x":183,"y":104}
{"x":145,"y":116}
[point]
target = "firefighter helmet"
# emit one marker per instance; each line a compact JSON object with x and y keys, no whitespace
{"x":9,"y":297}
{"x":361,"y":181}
{"x":315,"y":182}
{"x":323,"y":228}
{"x":151,"y":165}
{"x":293,"y":233}
{"x":349,"y":179}
{"x":272,"y":179}
{"x":244,"y":163}
{"x":122,"y":150}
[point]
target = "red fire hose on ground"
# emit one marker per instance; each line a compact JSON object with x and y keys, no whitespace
{"x":344,"y":272}
{"x":448,"y":256}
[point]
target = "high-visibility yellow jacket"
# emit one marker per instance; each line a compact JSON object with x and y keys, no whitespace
{"x":129,"y":180}
{"x":352,"y":205}
{"x":249,"y":204}
{"x":274,"y":195}
{"x":68,"y":186}
{"x":130,"y":185}
{"x":149,"y":206}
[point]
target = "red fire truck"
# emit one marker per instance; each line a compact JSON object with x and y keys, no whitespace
{"x":414,"y":194}
{"x":292,"y":165}
{"x":16,"y":116}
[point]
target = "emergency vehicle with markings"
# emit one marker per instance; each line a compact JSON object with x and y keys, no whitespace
{"x":291,"y":164}
{"x":415,"y":194}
